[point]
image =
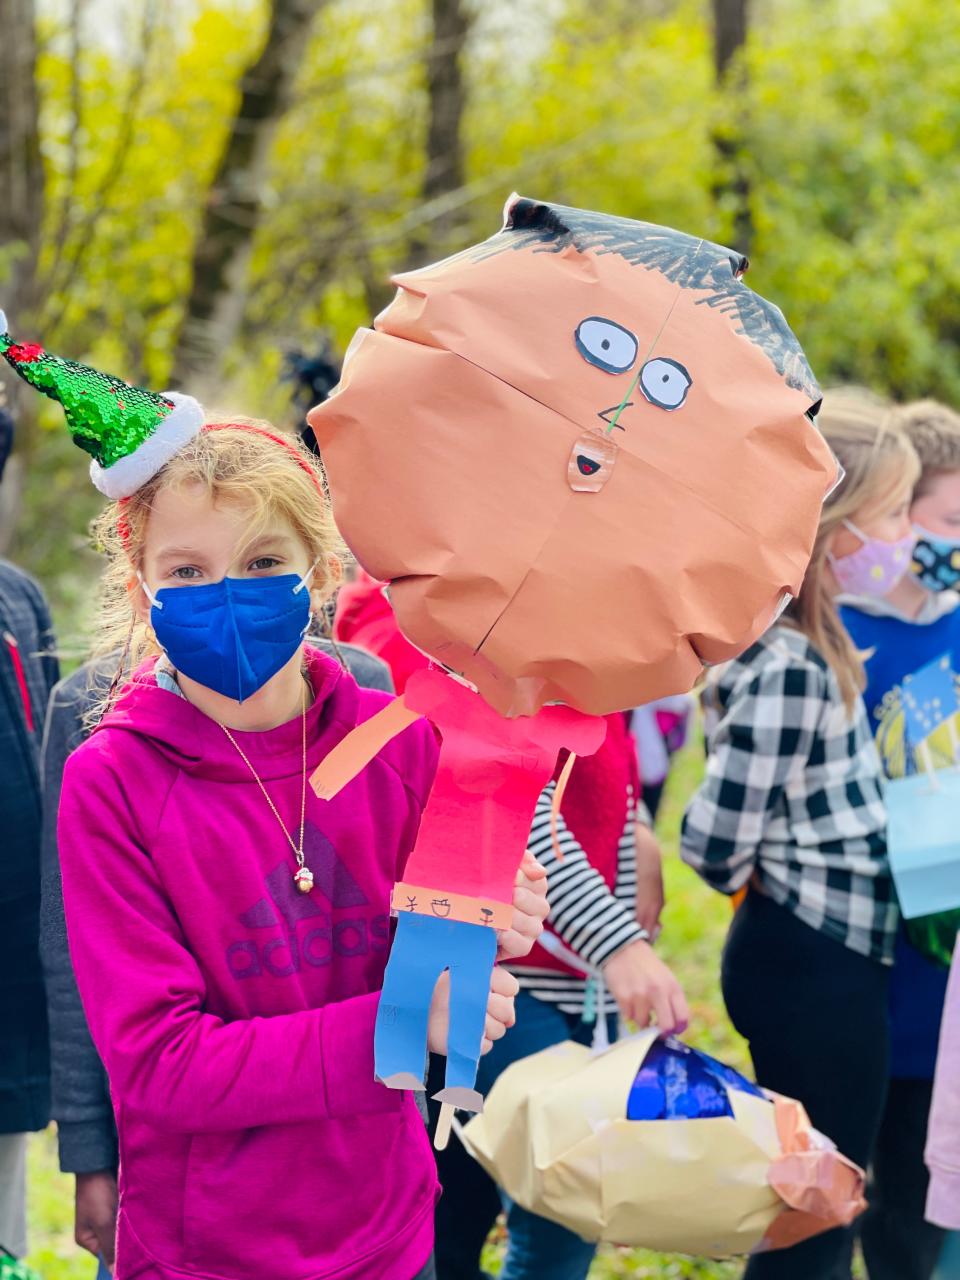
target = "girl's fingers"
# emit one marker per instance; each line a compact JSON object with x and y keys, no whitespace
{"x":485,"y":1046}
{"x":494,"y":1029}
{"x":501,"y":1008}
{"x":640,"y":1011}
{"x":681,"y":1011}
{"x":527,"y":904}
{"x":530,"y":868}
{"x":503,"y":982}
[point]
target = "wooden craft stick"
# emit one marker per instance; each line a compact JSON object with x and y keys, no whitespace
{"x":444,"y":1125}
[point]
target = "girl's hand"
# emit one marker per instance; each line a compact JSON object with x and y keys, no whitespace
{"x":650,"y":897}
{"x":95,"y":1220}
{"x":642,"y":986}
{"x":500,"y":1013}
{"x":530,"y":909}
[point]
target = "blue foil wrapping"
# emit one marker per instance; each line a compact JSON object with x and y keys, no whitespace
{"x":680,"y":1083}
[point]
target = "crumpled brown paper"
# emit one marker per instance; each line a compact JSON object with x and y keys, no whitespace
{"x":554,"y":1134}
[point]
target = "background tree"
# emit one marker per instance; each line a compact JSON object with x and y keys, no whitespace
{"x":444,"y":169}
{"x":234,"y":199}
{"x":732,"y":184}
{"x":21,"y":213}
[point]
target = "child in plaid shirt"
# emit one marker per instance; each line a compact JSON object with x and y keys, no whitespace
{"x":791,"y":806}
{"x":917,"y":623}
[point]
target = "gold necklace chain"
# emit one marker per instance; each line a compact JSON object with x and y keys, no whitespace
{"x":304,"y":876}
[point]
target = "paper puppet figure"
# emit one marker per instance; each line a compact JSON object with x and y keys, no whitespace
{"x":654,"y":1144}
{"x":458,"y":884}
{"x":583,"y":456}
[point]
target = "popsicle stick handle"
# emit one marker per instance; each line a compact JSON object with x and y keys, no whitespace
{"x":444,"y":1125}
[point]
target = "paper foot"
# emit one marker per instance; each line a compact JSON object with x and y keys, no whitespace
{"x":461,"y":1099}
{"x":403,"y":1080}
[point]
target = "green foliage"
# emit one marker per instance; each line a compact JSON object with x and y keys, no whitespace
{"x":848,"y":131}
{"x":854,"y":123}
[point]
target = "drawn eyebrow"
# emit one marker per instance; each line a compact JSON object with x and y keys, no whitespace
{"x":685,"y":260}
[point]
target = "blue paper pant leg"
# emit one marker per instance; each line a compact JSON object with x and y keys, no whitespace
{"x":423,"y":947}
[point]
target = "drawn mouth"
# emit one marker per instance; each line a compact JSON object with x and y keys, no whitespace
{"x":587,"y":466}
{"x":607,"y":414}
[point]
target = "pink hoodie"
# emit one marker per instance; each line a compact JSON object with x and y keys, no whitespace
{"x":235,"y":1015}
{"x":943,"y":1135}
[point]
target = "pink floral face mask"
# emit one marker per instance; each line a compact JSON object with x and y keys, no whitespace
{"x":875,"y":567}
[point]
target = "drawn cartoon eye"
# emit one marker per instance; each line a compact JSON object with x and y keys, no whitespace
{"x":606,"y":344}
{"x":665,"y":382}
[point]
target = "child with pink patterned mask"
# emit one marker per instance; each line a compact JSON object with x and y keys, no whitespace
{"x":872,"y":548}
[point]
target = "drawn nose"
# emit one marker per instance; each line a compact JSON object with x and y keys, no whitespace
{"x":616,"y":411}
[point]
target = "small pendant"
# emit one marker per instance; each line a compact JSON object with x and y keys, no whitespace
{"x":304,"y":879}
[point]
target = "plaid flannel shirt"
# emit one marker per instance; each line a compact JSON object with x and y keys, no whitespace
{"x":792,"y":794}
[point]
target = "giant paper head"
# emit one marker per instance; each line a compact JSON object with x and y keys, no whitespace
{"x":583,"y":455}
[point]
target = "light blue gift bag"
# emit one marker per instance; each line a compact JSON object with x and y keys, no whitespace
{"x":923,"y":841}
{"x":923,"y":808}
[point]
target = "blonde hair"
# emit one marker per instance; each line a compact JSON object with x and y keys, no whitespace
{"x":244,"y":462}
{"x":934,"y":431}
{"x":880,"y":466}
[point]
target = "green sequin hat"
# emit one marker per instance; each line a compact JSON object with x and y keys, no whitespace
{"x":129,"y":432}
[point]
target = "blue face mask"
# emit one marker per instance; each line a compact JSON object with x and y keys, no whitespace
{"x":233,"y":635}
{"x":936,"y":561}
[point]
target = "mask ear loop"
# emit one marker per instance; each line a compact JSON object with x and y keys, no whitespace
{"x":302,"y":586}
{"x":856,"y":532}
{"x":852,"y":528}
{"x":306,"y":577}
{"x":326,"y":626}
{"x":154,"y":602}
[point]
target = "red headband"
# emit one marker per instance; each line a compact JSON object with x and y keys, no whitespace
{"x":123,"y":528}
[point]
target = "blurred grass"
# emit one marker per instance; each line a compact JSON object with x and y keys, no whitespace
{"x":695,"y":922}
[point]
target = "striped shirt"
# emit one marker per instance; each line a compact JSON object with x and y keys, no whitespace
{"x":792,"y":794}
{"x":587,"y":916}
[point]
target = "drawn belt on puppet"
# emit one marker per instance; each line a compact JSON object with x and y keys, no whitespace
{"x":421,"y":900}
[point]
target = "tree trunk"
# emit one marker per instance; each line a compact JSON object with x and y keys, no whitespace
{"x":21,"y":170}
{"x":732,"y":185}
{"x":729,"y":33}
{"x":446,"y":97}
{"x":234,"y":201}
{"x":21,"y":219}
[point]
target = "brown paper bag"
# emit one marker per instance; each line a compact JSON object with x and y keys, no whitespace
{"x":553,"y":1133}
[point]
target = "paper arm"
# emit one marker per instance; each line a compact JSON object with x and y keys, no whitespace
{"x":354,"y":752}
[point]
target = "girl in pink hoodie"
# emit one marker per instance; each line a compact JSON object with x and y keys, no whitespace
{"x":229,"y":930}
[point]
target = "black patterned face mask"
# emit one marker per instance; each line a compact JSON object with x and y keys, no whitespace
{"x":936,"y":561}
